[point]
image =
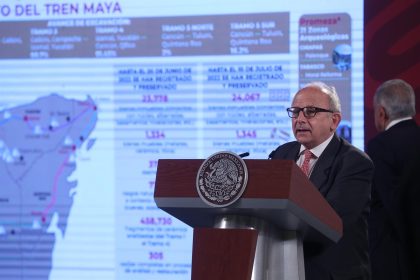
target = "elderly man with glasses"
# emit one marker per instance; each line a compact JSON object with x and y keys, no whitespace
{"x":342,"y":174}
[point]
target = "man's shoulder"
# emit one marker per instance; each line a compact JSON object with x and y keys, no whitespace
{"x":351,"y":151}
{"x":403,"y":133}
{"x":286,"y":150}
{"x":289,"y":145}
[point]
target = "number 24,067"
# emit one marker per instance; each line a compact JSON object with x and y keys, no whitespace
{"x":253,"y":96}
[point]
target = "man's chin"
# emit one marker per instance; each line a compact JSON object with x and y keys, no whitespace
{"x":303,"y":138}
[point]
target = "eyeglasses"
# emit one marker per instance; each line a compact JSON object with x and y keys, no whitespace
{"x":308,"y":112}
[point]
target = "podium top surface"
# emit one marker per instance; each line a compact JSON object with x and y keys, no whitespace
{"x":277,"y":191}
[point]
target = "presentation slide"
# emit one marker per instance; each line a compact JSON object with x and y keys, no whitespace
{"x":94,"y":93}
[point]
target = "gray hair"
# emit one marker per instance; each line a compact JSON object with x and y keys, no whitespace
{"x":397,"y":97}
{"x":330,"y":92}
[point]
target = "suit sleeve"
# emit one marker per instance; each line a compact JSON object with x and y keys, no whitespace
{"x":351,"y":189}
{"x":385,"y":181}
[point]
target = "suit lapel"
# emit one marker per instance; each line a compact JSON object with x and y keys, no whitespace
{"x":322,"y":168}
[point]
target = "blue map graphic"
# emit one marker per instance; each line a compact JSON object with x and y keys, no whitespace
{"x":38,"y":145}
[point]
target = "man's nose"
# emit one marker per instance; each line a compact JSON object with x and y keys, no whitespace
{"x":301,"y":117}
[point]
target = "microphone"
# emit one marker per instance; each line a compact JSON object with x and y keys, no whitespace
{"x":244,"y":154}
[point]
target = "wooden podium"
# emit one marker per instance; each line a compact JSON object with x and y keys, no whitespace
{"x":260,"y":236}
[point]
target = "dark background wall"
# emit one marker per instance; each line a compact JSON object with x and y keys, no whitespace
{"x":392,"y":50}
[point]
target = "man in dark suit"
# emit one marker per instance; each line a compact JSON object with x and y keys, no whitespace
{"x":343,"y":175}
{"x":410,"y":208}
{"x":395,"y":154}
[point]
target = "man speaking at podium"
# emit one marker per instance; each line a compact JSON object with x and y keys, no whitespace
{"x":342,"y":174}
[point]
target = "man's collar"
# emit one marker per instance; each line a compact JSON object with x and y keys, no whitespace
{"x":394,"y":122}
{"x":317,"y":151}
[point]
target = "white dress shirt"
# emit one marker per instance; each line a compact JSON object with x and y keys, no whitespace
{"x":317,"y":151}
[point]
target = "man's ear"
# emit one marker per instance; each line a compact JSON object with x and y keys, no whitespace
{"x":381,"y":118}
{"x":336,"y":118}
{"x":382,"y":113}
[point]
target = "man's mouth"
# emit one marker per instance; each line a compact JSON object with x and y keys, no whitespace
{"x":298,"y":130}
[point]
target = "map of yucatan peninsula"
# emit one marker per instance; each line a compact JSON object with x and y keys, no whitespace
{"x":38,"y":149}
